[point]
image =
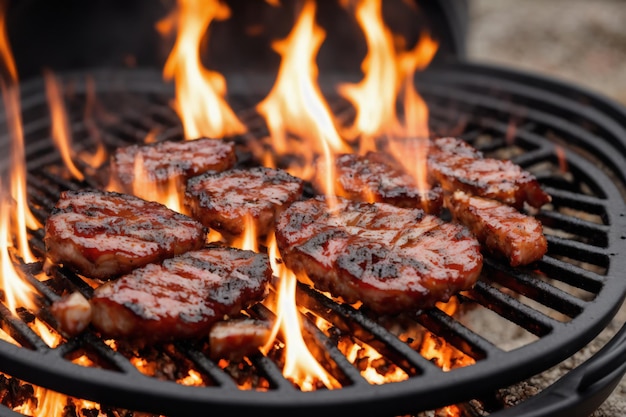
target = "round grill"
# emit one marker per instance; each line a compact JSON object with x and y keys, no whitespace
{"x":572,"y":141}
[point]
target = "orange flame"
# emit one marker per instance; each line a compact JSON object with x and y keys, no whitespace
{"x":100,"y":155}
{"x":296,"y":105}
{"x":16,"y":291}
{"x":60,"y":124}
{"x":300,"y":365}
{"x":248,"y":239}
{"x":375,"y":96}
{"x":17,"y":176}
{"x":8,"y":65}
{"x":200,"y":92}
{"x":388,"y":75}
{"x":166,"y":193}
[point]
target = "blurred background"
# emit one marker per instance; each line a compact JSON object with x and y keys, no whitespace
{"x":580,"y":41}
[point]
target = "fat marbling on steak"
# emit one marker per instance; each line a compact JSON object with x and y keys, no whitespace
{"x":392,"y":259}
{"x":106,"y":234}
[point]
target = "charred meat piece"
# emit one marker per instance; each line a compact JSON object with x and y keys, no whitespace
{"x":376,"y":177}
{"x":182,"y":297}
{"x":161,"y":162}
{"x":502,"y":229}
{"x":456,"y":165}
{"x":105,"y":234}
{"x":390,"y":258}
{"x":233,"y":339}
{"x":223,"y":200}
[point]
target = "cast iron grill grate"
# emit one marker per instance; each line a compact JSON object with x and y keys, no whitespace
{"x":560,"y":304}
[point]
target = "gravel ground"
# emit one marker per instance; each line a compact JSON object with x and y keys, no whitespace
{"x":579,"y":41}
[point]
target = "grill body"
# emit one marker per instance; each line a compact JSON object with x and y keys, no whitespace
{"x":563,"y":302}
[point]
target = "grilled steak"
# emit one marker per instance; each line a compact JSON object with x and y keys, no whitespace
{"x":106,"y":234}
{"x":392,"y":259}
{"x":223,"y":200}
{"x":376,"y":177}
{"x":456,"y":165}
{"x":502,"y":229}
{"x":182,"y":297}
{"x":169,"y":160}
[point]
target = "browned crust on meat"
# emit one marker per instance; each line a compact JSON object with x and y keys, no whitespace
{"x":502,"y":229}
{"x":223,"y":200}
{"x":106,"y":234}
{"x":392,"y":259}
{"x":182,"y":297}
{"x":456,"y":165}
{"x":166,"y":161}
{"x":376,"y":177}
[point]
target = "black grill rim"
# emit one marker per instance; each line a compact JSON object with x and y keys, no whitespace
{"x":129,"y":389}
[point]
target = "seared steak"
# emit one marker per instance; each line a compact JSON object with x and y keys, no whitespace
{"x":105,"y":234}
{"x":392,"y":259}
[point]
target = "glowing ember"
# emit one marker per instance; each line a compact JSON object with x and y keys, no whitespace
{"x":295,"y":105}
{"x":366,"y":359}
{"x":200,"y":92}
{"x":60,"y":125}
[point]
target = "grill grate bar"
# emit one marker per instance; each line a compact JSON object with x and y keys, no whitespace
{"x":596,"y":234}
{"x":462,"y":338}
{"x":207,"y":366}
{"x":577,"y":250}
{"x":540,"y":291}
{"x":19,"y":330}
{"x":512,"y":309}
{"x":572,"y":274}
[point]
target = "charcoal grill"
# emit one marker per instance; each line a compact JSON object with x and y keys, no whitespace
{"x":562,"y":302}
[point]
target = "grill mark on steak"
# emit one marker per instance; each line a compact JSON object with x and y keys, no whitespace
{"x":502,"y":229}
{"x":456,"y":165}
{"x":392,"y":259}
{"x":106,"y":234}
{"x":223,"y":200}
{"x":182,"y":297}
{"x":376,"y":177}
{"x":170,"y":160}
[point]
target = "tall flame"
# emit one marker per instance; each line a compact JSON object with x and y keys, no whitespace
{"x":296,"y":105}
{"x":375,"y":96}
{"x":388,"y":76}
{"x":60,"y":124}
{"x":300,"y":365}
{"x":17,"y":165}
{"x":200,"y":92}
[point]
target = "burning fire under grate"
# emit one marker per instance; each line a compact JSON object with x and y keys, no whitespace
{"x":454,"y":357}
